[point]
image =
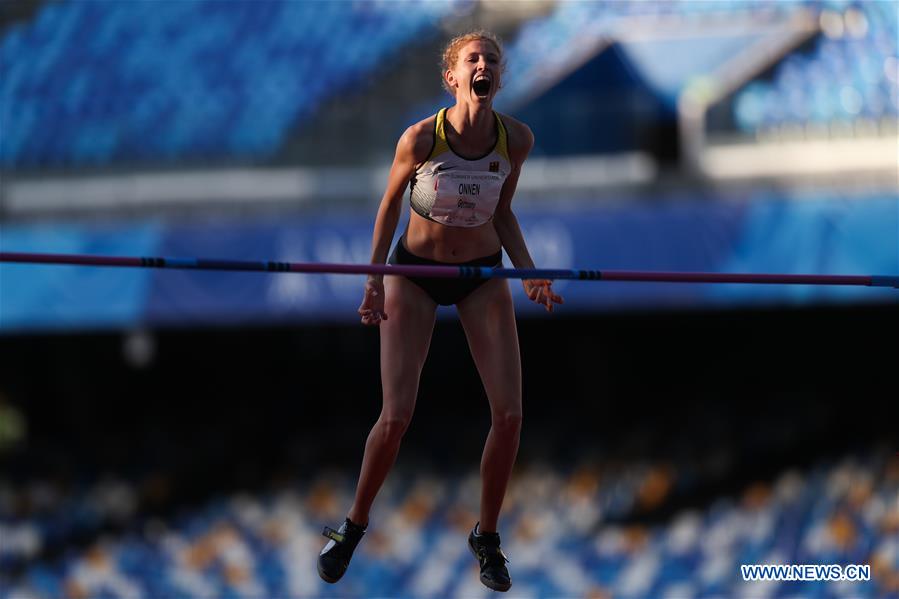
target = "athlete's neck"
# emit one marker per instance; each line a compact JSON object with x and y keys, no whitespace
{"x":472,"y":121}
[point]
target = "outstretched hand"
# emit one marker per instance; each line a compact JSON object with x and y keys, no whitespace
{"x":540,"y":291}
{"x":372,"y":307}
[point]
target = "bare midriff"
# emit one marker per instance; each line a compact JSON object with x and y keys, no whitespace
{"x":436,"y":241}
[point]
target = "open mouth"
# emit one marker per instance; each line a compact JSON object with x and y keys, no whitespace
{"x":481,"y":87}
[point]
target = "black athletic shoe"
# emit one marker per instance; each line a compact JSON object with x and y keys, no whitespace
{"x":485,"y":547}
{"x":335,"y":557}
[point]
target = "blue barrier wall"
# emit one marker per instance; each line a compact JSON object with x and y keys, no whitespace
{"x":822,"y":233}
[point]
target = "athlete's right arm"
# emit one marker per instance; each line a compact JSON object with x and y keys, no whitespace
{"x":392,"y":202}
{"x":411,"y":150}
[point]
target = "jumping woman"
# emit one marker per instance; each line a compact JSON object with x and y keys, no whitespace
{"x":463,"y":165}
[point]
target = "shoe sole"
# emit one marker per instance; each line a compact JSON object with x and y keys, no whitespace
{"x":325,"y":577}
{"x":487,"y":583}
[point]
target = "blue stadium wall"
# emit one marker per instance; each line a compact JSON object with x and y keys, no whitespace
{"x":824,"y":233}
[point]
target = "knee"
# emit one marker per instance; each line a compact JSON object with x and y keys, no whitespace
{"x":393,"y":426}
{"x":507,"y":422}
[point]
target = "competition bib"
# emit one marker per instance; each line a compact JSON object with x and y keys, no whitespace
{"x":466,"y":198}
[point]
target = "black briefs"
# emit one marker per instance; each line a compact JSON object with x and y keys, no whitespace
{"x":445,"y":292}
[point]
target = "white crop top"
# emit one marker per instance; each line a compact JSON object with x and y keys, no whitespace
{"x":451,"y":190}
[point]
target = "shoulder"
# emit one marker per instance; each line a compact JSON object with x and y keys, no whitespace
{"x":417,"y":140}
{"x":520,"y":138}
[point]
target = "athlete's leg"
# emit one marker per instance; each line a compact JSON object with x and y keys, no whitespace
{"x":405,"y":339}
{"x":488,"y":318}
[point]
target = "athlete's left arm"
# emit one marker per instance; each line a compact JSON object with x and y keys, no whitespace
{"x":520,"y":142}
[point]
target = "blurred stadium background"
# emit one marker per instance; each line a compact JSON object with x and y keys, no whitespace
{"x":187,"y":434}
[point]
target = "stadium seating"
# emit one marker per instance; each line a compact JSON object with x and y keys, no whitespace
{"x":543,"y":46}
{"x":580,"y":519}
{"x":88,"y":83}
{"x":99,"y":83}
{"x":851,"y":73}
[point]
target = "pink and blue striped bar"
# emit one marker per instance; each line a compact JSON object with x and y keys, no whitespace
{"x":449,"y":272}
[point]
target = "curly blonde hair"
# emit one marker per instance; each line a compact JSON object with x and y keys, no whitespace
{"x":451,"y":52}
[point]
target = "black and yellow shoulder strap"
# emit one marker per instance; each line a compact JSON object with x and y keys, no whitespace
{"x":502,"y":144}
{"x":440,"y":145}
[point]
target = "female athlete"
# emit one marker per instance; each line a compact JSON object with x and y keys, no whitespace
{"x":463,"y":165}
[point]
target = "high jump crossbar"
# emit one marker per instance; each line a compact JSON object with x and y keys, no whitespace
{"x":450,"y":272}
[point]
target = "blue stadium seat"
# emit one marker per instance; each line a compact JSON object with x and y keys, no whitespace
{"x":833,"y":512}
{"x":191,"y":75}
{"x":845,"y":77}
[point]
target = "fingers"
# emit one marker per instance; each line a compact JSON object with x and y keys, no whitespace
{"x":371,"y":310}
{"x":540,"y":291}
{"x":372,"y":317}
{"x":366,"y":302}
{"x":554,"y":297}
{"x":533,"y":288}
{"x":543,"y":298}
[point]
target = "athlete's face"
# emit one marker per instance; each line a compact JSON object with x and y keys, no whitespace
{"x":477,"y":72}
